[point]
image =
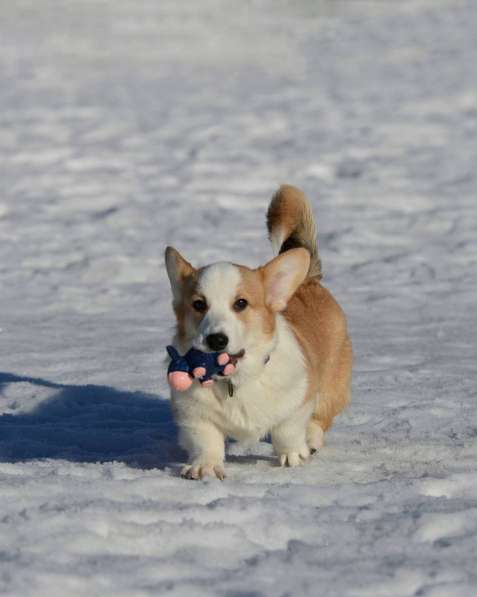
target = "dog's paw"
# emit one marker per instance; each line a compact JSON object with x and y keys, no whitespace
{"x":294,"y":458}
{"x":199,"y":471}
{"x":314,"y":437}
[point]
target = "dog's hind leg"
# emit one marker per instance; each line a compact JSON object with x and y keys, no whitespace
{"x":334,"y":394}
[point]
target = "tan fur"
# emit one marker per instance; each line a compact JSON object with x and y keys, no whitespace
{"x":257,"y":289}
{"x":253,"y":290}
{"x":283,"y":275}
{"x":186,"y":277}
{"x":320,"y":327}
{"x":290,"y":218}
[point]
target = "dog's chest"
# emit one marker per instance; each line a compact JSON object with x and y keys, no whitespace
{"x":254,"y":409}
{"x":249,"y":413}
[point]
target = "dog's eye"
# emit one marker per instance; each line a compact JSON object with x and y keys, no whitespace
{"x":240,"y":304}
{"x":200,"y":305}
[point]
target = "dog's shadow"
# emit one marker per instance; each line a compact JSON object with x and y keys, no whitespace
{"x":86,"y":423}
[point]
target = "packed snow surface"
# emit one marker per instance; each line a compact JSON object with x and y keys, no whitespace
{"x":127,"y":126}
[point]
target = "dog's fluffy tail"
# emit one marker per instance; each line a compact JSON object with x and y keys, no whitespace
{"x":291,"y":224}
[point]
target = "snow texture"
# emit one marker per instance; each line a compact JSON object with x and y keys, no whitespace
{"x":126,"y":126}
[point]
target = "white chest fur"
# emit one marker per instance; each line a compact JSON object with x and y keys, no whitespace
{"x":258,"y":403}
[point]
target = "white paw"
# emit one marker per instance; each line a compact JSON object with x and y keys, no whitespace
{"x":294,"y":458}
{"x":199,"y":471}
{"x":314,"y":436}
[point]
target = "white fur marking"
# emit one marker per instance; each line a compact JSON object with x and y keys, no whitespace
{"x":219,"y":283}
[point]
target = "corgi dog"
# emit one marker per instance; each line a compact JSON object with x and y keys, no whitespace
{"x":284,"y":332}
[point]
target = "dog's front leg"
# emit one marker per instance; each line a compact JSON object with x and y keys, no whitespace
{"x":205,"y":446}
{"x":289,"y":437}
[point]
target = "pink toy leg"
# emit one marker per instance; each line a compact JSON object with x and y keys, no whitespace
{"x":229,"y":369}
{"x":223,"y":358}
{"x":198,"y":372}
{"x":180,"y":381}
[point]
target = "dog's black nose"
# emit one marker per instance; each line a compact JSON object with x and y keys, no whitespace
{"x":217,"y":341}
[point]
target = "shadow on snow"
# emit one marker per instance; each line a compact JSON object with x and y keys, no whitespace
{"x":90,"y":424}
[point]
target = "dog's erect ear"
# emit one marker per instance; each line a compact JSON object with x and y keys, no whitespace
{"x":283,"y":275}
{"x":178,"y":269}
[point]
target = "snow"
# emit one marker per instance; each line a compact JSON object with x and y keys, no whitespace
{"x":131,"y":126}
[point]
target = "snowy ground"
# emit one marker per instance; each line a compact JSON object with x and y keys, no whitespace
{"x":126,"y":126}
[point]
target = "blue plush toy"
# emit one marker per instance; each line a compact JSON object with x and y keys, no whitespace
{"x":196,"y":364}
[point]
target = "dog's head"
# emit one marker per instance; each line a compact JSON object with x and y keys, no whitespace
{"x":232,"y":308}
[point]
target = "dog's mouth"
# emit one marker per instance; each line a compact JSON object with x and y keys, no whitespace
{"x":234,"y":358}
